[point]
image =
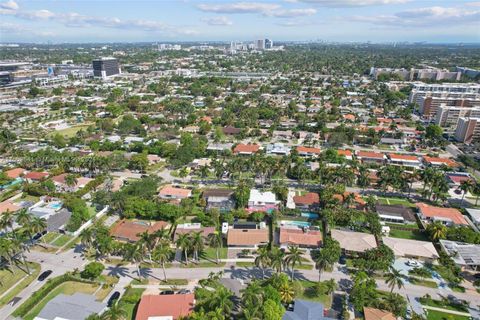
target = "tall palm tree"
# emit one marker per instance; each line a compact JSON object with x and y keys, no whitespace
{"x":86,"y":238}
{"x":6,"y":221}
{"x":330,"y":286}
{"x":197,"y":244}
{"x":394,"y":279}
{"x":161,"y":254}
{"x":262,"y":260}
{"x":7,"y":251}
{"x":183,"y":242}
{"x":222,"y":300}
{"x":23,"y":218}
{"x":38,"y":225}
{"x":70,"y":180}
{"x":322,"y":262}
{"x":276,"y":259}
{"x":116,"y":312}
{"x":215,"y":241}
{"x":437,"y":230}
{"x":466,"y":186}
{"x":286,"y":292}
{"x":133,"y":253}
{"x":293,"y":257}
{"x":147,"y":242}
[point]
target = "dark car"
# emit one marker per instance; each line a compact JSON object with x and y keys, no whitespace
{"x":114,"y":297}
{"x":184,"y":291}
{"x":44,"y":275}
{"x":167,"y":292}
{"x":342,"y":260}
{"x":477,"y":276}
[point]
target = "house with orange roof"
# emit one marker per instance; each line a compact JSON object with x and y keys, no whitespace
{"x":246,"y":149}
{"x":15,"y":173}
{"x":377,"y":314}
{"x":61,"y":183}
{"x":438,"y":162}
{"x":308,"y":201}
{"x":171,"y":192}
{"x":34,"y":176}
{"x":345,"y":153}
{"x":9,"y":206}
{"x":404,"y":160}
{"x":370,"y":157}
{"x":298,"y":237}
{"x":167,"y":306}
{"x":129,"y":230}
{"x":308,"y":151}
{"x":358,"y":202}
{"x":447,"y":216}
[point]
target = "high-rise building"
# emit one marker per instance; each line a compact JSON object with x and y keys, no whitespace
{"x":468,"y":130}
{"x":268,"y":44}
{"x":448,"y":116}
{"x":105,"y":67}
{"x":417,"y":74}
{"x":260,"y":44}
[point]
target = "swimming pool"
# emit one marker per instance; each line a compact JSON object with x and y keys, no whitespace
{"x":294,"y":223}
{"x":309,"y":215}
{"x":54,"y":205}
{"x":12,"y":183}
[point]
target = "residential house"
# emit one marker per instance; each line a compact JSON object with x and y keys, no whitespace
{"x":404,"y":160}
{"x":35,"y":176}
{"x":354,"y":242}
{"x":308,"y":201}
{"x":345,"y":153}
{"x":447,"y":216}
{"x":395,"y":213}
{"x":14,"y":173}
{"x":61,"y":184}
{"x":306,"y":310}
{"x":262,"y":201}
{"x":76,"y":306}
{"x":412,"y":249}
{"x":251,"y":238}
{"x":174,"y":193}
{"x":246,"y":149}
{"x":455,"y":179}
{"x":277,"y":149}
{"x":308,"y":151}
{"x":9,"y":206}
{"x":165,"y":307}
{"x":129,"y":230}
{"x":192,"y":227}
{"x":357,"y":201}
{"x":303,"y":238}
{"x":231,"y":130}
{"x":438,"y":162}
{"x":221,"y":199}
{"x":377,"y":314}
{"x":474,"y":215}
{"x":371,"y":157}
{"x":465,"y":255}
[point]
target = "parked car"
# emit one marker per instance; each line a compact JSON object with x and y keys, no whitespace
{"x":114,"y":297}
{"x":413,"y":263}
{"x":167,"y":292}
{"x":184,"y":291}
{"x":342,"y":260}
{"x":44,"y":275}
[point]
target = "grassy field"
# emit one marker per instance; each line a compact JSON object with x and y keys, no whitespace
{"x":211,"y":253}
{"x":437,"y":315}
{"x":49,"y":237}
{"x":9,"y":279}
{"x":402,"y":201}
{"x":62,"y":240}
{"x":244,"y":264}
{"x":407,"y":234}
{"x":68,"y":288}
{"x":308,"y":294}
{"x":441,"y":304}
{"x":421,"y":282}
{"x":72,"y":131}
{"x":130,"y":300}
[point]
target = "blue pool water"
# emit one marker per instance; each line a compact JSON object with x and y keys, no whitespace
{"x":12,"y":183}
{"x":54,"y":205}
{"x":300,"y":224}
{"x":310,"y":215}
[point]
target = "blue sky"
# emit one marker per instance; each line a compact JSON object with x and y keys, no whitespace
{"x":185,"y":20}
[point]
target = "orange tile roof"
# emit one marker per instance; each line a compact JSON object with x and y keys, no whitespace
{"x":14,"y":173}
{"x":358,"y":198}
{"x":346,"y":153}
{"x":349,"y":117}
{"x":246,"y":148}
{"x":377,"y":314}
{"x":174,"y":191}
{"x":299,"y":237}
{"x":395,"y":156}
{"x":370,"y":154}
{"x":440,"y":212}
{"x":445,"y":161}
{"x":8,"y":206}
{"x":174,"y":305}
{"x":36,"y":175}
{"x":247,"y":237}
{"x":308,"y":149}
{"x":129,"y":230}
{"x":307,"y":199}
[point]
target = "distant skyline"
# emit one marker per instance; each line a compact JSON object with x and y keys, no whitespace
{"x":438,"y":21}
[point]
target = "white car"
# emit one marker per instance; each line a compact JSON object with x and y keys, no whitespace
{"x":413,"y":263}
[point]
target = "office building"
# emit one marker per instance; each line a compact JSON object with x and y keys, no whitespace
{"x":468,"y":130}
{"x":268,"y":44}
{"x":260,"y":44}
{"x":448,"y":116}
{"x":428,"y":105}
{"x":436,"y":89}
{"x":105,"y":67}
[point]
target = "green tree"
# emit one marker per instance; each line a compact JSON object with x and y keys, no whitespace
{"x":92,"y":270}
{"x":162,"y":254}
{"x":293,"y":257}
{"x":394,"y":279}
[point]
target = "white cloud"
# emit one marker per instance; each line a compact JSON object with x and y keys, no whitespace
{"x":73,"y":19}
{"x":289,"y":13}
{"x":354,"y":3}
{"x":432,"y":17}
{"x":295,"y":23}
{"x":9,"y":5}
{"x":218,"y":21}
{"x":19,"y":29}
{"x":239,"y":7}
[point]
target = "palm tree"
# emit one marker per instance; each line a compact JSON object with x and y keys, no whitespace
{"x":286,"y":292}
{"x":466,"y":186}
{"x":38,"y":225}
{"x":147,"y":242}
{"x":215,"y":241}
{"x":262,"y":260}
{"x":132,"y":253}
{"x":253,"y":293}
{"x":293,"y":257}
{"x":116,"y":312}
{"x":6,"y":221}
{"x":196,"y":244}
{"x":476,"y":192}
{"x":222,"y":300}
{"x":23,"y":218}
{"x":437,"y":230}
{"x":7,"y":251}
{"x":86,"y":238}
{"x":276,"y":259}
{"x":321,"y":263}
{"x":70,"y":180}
{"x":161,"y":254}
{"x":394,"y":279}
{"x":183,"y":242}
{"x":330,"y":286}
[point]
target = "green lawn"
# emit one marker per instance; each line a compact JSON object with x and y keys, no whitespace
{"x":388,"y":200}
{"x":130,"y":300}
{"x":211,"y":253}
{"x":62,"y":240}
{"x":70,"y":132}
{"x":244,"y":264}
{"x":308,"y":294}
{"x":68,"y":288}
{"x":441,"y":304}
{"x":49,"y":237}
{"x":437,"y":315}
{"x":421,"y":282}
{"x":404,"y":234}
{"x":9,"y":279}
